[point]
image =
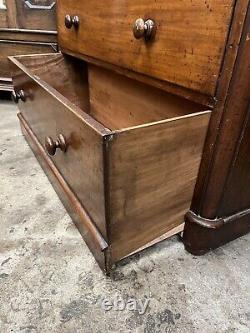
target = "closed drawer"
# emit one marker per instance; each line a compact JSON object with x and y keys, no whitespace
{"x":36,"y":14}
{"x":187,"y":49}
{"x":132,"y":151}
{"x":9,"y":48}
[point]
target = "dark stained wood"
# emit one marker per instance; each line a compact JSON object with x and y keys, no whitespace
{"x":151,"y":177}
{"x":226,"y":194}
{"x":119,"y":102}
{"x":217,"y":114}
{"x":49,"y":113}
{"x":226,"y":121}
{"x":187,"y":50}
{"x":236,"y":196}
{"x":202,"y":235}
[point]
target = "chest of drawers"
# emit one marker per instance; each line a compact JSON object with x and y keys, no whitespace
{"x":118,"y":119}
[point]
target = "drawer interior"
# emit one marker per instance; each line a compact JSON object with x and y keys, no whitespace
{"x":115,"y":101}
{"x":139,"y":146}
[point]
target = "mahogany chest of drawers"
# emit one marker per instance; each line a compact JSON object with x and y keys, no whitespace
{"x":119,"y":117}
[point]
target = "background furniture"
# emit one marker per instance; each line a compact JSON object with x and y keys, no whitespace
{"x":26,"y":27}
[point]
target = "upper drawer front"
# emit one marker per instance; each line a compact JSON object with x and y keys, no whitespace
{"x":81,"y":165}
{"x":187,"y":49}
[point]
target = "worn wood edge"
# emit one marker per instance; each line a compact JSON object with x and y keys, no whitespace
{"x":164,"y":121}
{"x":106,"y":152}
{"x":168,"y":234}
{"x":79,"y":113}
{"x":31,"y":37}
{"x":6,"y":84}
{"x":169,"y":87}
{"x":21,"y":42}
{"x":202,"y":235}
{"x":204,"y":222}
{"x":224,"y":80}
{"x":29,"y":31}
{"x":92,"y":230}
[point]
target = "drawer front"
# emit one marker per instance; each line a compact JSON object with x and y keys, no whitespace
{"x":36,"y":14}
{"x":15,"y":48}
{"x":187,"y":49}
{"x":82,"y":164}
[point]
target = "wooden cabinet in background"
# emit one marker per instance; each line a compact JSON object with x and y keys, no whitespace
{"x":26,"y":27}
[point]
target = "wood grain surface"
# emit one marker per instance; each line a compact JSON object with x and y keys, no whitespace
{"x":48,"y":113}
{"x":152,"y":174}
{"x":119,"y":102}
{"x":9,"y":48}
{"x":187,"y":50}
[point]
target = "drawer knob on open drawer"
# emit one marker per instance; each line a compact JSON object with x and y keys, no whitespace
{"x":51,"y":145}
{"x":146,"y":29}
{"x":72,"y":21}
{"x":18,"y":95}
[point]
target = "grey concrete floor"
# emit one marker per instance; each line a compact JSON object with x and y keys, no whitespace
{"x":49,"y":281}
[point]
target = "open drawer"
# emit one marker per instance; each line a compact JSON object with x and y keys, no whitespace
{"x":123,"y":156}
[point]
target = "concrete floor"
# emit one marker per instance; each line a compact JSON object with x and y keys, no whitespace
{"x":49,"y":281}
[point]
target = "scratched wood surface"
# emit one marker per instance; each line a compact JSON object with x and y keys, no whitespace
{"x":48,"y":113}
{"x":152,"y":174}
{"x":119,"y":102}
{"x":187,"y":50}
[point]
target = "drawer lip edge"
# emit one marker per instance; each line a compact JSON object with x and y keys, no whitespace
{"x":78,"y":112}
{"x":164,"y":121}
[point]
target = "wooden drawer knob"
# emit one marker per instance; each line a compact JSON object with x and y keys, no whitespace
{"x":144,"y":29}
{"x":18,"y":95}
{"x":71,"y":21}
{"x":51,"y":145}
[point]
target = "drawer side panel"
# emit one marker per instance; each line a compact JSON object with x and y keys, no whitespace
{"x":153,"y":170}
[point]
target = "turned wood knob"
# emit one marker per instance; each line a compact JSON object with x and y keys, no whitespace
{"x":51,"y":145}
{"x":72,"y":21}
{"x":18,"y":95}
{"x":144,"y":29}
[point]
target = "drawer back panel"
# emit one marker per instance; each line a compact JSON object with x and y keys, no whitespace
{"x":187,"y":49}
{"x":119,"y":102}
